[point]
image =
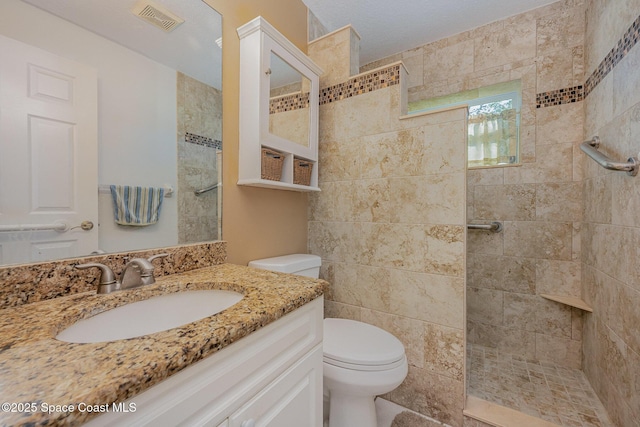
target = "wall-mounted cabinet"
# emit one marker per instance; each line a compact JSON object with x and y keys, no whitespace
{"x":279,"y":103}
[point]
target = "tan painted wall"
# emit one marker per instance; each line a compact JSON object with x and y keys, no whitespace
{"x":256,"y":222}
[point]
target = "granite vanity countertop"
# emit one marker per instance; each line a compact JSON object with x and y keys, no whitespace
{"x":40,"y":371}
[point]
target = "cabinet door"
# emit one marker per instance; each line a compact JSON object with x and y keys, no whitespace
{"x":293,"y":399}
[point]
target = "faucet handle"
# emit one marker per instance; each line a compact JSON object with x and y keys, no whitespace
{"x":107,"y":282}
{"x":151,"y":258}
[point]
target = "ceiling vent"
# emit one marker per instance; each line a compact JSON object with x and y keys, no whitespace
{"x":156,"y":15}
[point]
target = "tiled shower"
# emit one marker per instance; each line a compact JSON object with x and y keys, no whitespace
{"x":570,"y":227}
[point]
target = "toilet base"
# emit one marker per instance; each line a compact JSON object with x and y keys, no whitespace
{"x":352,"y":411}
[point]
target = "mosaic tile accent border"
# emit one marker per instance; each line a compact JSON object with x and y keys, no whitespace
{"x":361,"y":84}
{"x":615,"y":55}
{"x":560,"y":96}
{"x":579,"y":93}
{"x":288,"y":103}
{"x":203,"y":140}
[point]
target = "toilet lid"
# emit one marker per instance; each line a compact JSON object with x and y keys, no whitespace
{"x":359,"y":343}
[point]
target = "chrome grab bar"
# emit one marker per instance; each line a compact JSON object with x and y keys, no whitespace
{"x":57,"y":226}
{"x":495,"y":227}
{"x":590,"y":148}
{"x":204,"y":190}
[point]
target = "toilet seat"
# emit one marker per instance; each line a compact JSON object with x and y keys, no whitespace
{"x":361,"y":347}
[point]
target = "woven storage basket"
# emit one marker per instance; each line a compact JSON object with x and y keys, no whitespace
{"x":271,"y":164}
{"x":302,"y":172}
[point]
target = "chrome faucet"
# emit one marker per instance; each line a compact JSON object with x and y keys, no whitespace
{"x":137,"y":272}
{"x":107,"y":282}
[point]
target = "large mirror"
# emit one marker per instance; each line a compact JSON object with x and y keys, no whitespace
{"x":158,"y":103}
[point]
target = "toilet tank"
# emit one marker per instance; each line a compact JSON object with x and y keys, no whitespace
{"x":300,"y":264}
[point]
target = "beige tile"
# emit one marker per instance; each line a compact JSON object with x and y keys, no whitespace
{"x":559,"y":124}
{"x":508,"y":273}
{"x":409,"y":331}
{"x":485,"y":242}
{"x":485,"y":306}
{"x":429,"y":297}
{"x":333,"y":54}
{"x":562,"y":351}
{"x":342,"y":311}
{"x":505,"y":202}
{"x":560,"y":31}
{"x":555,"y":71}
{"x":598,"y":195}
{"x":553,"y":164}
{"x":516,"y":41}
{"x":430,"y":199}
{"x":558,"y":277}
{"x":485,"y":176}
{"x":445,"y":146}
{"x":369,"y":200}
{"x":544,"y":240}
{"x":448,"y":61}
{"x":434,"y":395}
{"x":392,"y":154}
{"x":514,"y":341}
{"x":444,"y":350}
{"x":559,"y":201}
{"x":624,"y":200}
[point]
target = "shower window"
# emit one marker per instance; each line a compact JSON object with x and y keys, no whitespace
{"x":493,"y":122}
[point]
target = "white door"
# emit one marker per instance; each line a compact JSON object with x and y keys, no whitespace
{"x":48,"y":153}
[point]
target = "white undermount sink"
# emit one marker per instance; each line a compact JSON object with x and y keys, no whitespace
{"x":156,"y":314}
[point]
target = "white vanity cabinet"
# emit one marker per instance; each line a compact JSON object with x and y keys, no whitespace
{"x":272,"y":377}
{"x":279,"y":107}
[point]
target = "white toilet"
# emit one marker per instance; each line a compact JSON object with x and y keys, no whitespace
{"x":361,"y":361}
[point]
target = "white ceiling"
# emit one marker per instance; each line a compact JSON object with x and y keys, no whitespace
{"x":388,"y":27}
{"x":190,"y":48}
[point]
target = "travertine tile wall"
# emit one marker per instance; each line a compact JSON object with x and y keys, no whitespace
{"x":392,"y":246}
{"x":611,"y":228}
{"x":199,"y":121}
{"x":538,"y":202}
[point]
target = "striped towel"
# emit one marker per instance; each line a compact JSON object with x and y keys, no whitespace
{"x":138,"y":206}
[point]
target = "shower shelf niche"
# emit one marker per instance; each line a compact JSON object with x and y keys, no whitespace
{"x":572,"y":301}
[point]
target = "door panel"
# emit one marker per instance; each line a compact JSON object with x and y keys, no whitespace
{"x":48,"y":153}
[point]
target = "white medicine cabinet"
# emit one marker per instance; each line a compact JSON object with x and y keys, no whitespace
{"x":279,"y":103}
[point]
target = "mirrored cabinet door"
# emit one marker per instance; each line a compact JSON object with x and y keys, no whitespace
{"x":279,"y":102}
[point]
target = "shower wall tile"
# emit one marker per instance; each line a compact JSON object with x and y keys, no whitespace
{"x":485,"y":242}
{"x":560,"y":124}
{"x":485,"y":306}
{"x":449,"y":61}
{"x":561,"y":351}
{"x":610,"y":231}
{"x":546,"y":240}
{"x":515,"y":41}
{"x":505,"y":202}
{"x":559,"y":201}
{"x":510,"y":340}
{"x":505,"y":273}
{"x":558,"y":277}
{"x":486,"y":176}
{"x":395,"y":244}
{"x":418,"y":200}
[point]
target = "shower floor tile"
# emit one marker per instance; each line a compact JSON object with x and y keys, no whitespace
{"x":554,"y":393}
